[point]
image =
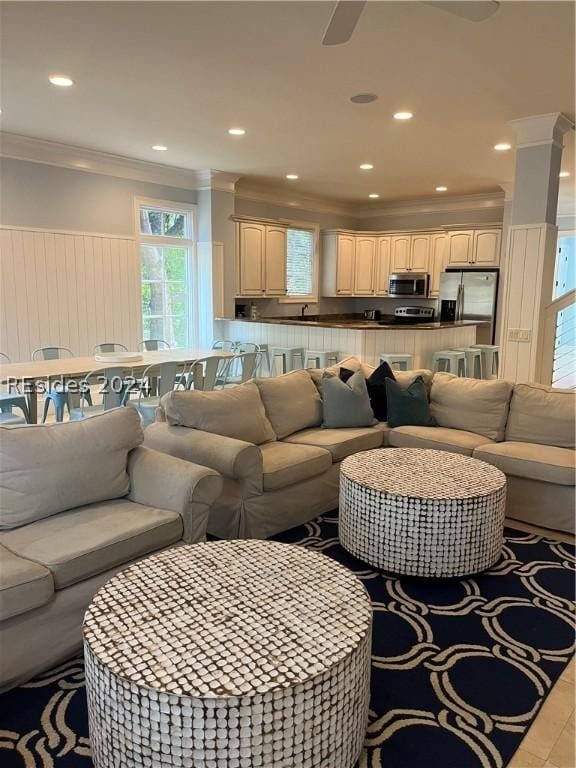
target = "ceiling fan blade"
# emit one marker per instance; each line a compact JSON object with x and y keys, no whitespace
{"x":343,"y":22}
{"x":474,"y":10}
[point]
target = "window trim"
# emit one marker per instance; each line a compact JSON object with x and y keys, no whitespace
{"x":315,"y":229}
{"x":191,"y":209}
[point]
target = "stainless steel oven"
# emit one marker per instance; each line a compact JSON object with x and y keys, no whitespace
{"x":405,"y":284}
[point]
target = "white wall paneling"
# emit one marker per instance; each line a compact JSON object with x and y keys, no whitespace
{"x":67,"y":289}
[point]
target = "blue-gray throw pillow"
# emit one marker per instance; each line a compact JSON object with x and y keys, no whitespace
{"x":376,"y":386}
{"x":408,"y":407}
{"x":346,"y":404}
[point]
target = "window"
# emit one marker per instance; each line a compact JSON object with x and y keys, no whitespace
{"x":301,"y":264}
{"x":166,"y":246}
{"x":565,"y":277}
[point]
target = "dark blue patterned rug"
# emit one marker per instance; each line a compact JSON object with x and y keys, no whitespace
{"x":460,"y":667}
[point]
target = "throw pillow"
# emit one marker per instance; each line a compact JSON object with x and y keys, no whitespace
{"x":346,"y":404}
{"x":408,"y":407}
{"x":376,"y":385}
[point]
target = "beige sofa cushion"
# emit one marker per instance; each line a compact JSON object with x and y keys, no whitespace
{"x":540,"y":414}
{"x":284,"y":464}
{"x":50,"y":468}
{"x":291,"y":401}
{"x":546,"y":463}
{"x":89,"y":540}
{"x":24,"y":585}
{"x":340,"y":442}
{"x":236,"y":412}
{"x":440,"y":438}
{"x":474,"y":405}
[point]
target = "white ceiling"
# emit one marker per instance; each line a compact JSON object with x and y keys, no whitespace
{"x":182,"y":73}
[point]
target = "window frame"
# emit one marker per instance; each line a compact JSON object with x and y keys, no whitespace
{"x":315,"y":229}
{"x":189,"y":243}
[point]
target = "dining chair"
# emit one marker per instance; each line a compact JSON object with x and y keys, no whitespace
{"x":59,"y":396}
{"x":166,"y":379}
{"x":115,"y":387}
{"x":109,"y":346}
{"x":241,"y":368}
{"x":225,"y":345}
{"x":208,"y":372}
{"x":9,"y":400}
{"x":152,"y":345}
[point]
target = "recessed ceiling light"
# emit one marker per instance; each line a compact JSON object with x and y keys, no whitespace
{"x":236,"y":131}
{"x":403,"y":115}
{"x":502,"y":147}
{"x":62,"y":80}
{"x":373,"y":195}
{"x":564,"y":174}
{"x":366,"y":167}
{"x":363,"y":98}
{"x":159,"y":147}
{"x":441,"y":189}
{"x":292,"y":176}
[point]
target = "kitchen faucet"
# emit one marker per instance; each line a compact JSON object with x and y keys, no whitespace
{"x":304,"y":308}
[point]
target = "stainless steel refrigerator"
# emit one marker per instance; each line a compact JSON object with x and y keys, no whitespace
{"x":470,"y":294}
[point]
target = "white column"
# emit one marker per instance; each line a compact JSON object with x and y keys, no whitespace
{"x":531,"y":245}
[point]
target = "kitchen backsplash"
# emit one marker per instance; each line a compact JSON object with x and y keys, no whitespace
{"x":273,"y":308}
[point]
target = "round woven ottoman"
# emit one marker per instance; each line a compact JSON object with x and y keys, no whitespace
{"x":422,"y":512}
{"x":229,"y":654}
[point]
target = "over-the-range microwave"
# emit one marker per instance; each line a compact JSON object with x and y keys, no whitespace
{"x":405,"y":284}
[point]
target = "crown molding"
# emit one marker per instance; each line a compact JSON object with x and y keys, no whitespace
{"x":490,"y":200}
{"x":289,"y":199}
{"x":28,"y":148}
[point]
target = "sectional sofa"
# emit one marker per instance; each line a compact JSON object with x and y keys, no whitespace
{"x":80,"y":501}
{"x":280,"y":467}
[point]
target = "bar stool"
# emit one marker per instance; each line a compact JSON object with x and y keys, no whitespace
{"x":449,"y":361}
{"x":265,"y":356}
{"x":398,"y":361}
{"x":321,"y":358}
{"x":474,"y":362}
{"x":288,"y":355}
{"x":490,"y":358}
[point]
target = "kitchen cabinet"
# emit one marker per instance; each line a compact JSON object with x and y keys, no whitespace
{"x":460,"y":248}
{"x":400,"y":253}
{"x":338,"y":264}
{"x":486,"y":251}
{"x":260,"y":260}
{"x":382,"y":270}
{"x":364,"y":266}
{"x":438,"y":262}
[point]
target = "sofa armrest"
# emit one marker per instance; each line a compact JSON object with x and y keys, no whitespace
{"x":235,"y":459}
{"x":165,"y":482}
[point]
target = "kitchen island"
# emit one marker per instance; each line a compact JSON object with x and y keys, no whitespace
{"x":350,"y":335}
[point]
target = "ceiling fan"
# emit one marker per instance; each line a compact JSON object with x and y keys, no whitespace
{"x":347,"y":12}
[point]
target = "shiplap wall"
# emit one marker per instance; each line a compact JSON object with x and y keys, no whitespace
{"x":67,"y":289}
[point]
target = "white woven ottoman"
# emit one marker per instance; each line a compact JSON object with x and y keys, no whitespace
{"x":230,"y":654}
{"x":421,"y":512}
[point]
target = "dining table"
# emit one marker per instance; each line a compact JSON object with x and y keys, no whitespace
{"x":30,"y":377}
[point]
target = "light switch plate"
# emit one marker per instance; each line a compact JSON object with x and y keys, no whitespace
{"x":519,"y":334}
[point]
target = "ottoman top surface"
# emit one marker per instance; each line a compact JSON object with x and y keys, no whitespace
{"x":422,"y":473}
{"x":227,"y":619}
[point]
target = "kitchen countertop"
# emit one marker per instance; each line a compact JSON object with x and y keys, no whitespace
{"x":353,"y":324}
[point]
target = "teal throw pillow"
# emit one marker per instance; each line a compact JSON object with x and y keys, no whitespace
{"x":346,"y":404}
{"x":408,"y":407}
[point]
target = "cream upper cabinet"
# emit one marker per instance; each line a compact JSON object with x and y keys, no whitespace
{"x":260,"y":259}
{"x":250,"y":241}
{"x":346,"y":250}
{"x":460,"y":248}
{"x":486,"y":250}
{"x":419,"y":253}
{"x":438,"y":261}
{"x":364,"y":266}
{"x":400,"y":253}
{"x":382,"y":266}
{"x":275,"y":261}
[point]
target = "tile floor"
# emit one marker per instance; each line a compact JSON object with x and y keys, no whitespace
{"x":549,"y":743}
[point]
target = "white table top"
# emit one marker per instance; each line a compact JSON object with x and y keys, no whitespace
{"x":422,"y":473}
{"x":80,"y":366}
{"x":227,"y":618}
